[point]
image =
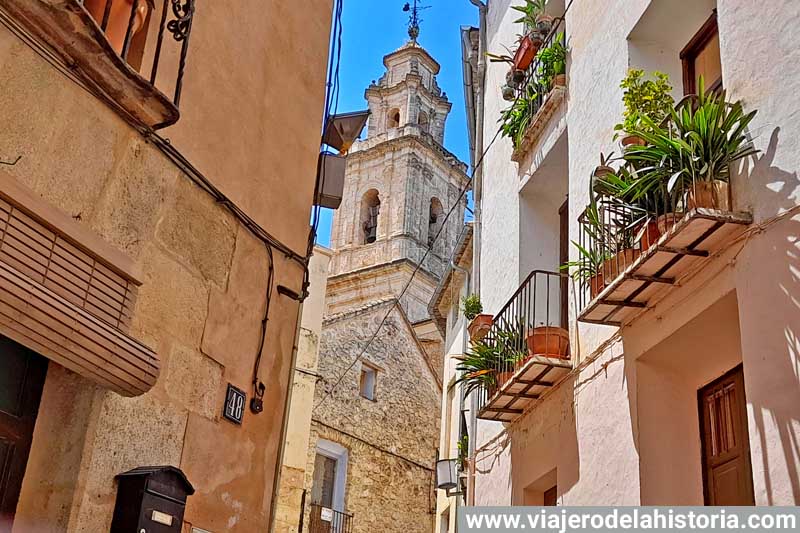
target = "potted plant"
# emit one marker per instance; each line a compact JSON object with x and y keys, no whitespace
{"x":694,"y":152}
{"x":534,"y":17}
{"x":480,"y":323}
{"x":510,"y":348}
{"x":463,"y":452}
{"x":532,"y":38}
{"x":119,"y":18}
{"x":478,"y":368}
{"x":516,"y":119}
{"x":647,"y":101}
{"x":548,"y":341}
{"x":612,"y":252}
{"x":552,"y":64}
{"x":604,"y":168}
{"x":527,"y":47}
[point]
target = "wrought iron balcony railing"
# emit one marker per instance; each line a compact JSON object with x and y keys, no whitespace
{"x":631,"y":248}
{"x":538,"y":90}
{"x":125,"y":21}
{"x":133,"y":52}
{"x":325,"y":520}
{"x":526,"y":348}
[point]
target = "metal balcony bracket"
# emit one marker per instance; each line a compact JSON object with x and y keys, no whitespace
{"x":693,"y":239}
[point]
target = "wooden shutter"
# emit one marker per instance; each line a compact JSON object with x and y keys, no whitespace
{"x":67,"y":295}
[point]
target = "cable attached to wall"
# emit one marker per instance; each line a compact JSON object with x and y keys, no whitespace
{"x":257,"y":401}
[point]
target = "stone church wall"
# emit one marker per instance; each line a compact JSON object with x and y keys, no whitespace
{"x":392,"y":440}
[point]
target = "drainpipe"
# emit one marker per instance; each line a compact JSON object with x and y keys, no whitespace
{"x":477,"y":174}
{"x":465,"y":341}
{"x":477,"y":193}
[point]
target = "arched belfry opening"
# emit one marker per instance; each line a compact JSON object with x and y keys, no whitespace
{"x":370,"y":209}
{"x":435,"y":220}
{"x":393,"y":118}
{"x":424,"y":121}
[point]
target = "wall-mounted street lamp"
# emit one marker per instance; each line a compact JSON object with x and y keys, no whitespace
{"x":447,"y":475}
{"x":341,"y":131}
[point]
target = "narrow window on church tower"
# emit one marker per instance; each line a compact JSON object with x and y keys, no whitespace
{"x":435,"y":220}
{"x":370,"y":209}
{"x":393,"y":120}
{"x":423,"y":120}
{"x":368,"y":381}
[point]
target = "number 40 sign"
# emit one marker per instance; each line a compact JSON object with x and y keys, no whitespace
{"x":234,"y":404}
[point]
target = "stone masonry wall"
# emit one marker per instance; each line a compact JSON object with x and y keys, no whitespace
{"x":392,"y":440}
{"x":204,"y":276}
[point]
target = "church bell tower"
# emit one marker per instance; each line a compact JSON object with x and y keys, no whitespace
{"x":399,"y":185}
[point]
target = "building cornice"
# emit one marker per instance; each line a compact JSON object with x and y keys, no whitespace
{"x":364,"y":149}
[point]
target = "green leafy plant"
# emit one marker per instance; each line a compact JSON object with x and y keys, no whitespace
{"x":590,"y":260}
{"x":552,"y":62}
{"x":647,"y":101}
{"x":530,"y":10}
{"x":463,"y":451}
{"x":478,"y":367}
{"x":516,"y":119}
{"x":471,"y":306}
{"x":704,"y":137}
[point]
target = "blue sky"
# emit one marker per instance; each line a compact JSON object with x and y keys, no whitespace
{"x":372,"y":29}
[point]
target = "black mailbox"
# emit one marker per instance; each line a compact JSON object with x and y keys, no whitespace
{"x":151,"y":499}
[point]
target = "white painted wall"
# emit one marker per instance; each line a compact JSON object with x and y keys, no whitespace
{"x":595,"y":414}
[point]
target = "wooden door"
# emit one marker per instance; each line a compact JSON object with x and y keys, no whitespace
{"x":22,"y":374}
{"x":727,"y":475}
{"x":551,"y":497}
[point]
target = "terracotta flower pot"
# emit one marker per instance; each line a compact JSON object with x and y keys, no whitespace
{"x":503,"y":378}
{"x":612,"y":268}
{"x":548,"y":341}
{"x":633,"y":140}
{"x":119,"y":18}
{"x":560,"y":80}
{"x":544,"y":23}
{"x":479,"y":327}
{"x":602,"y":171}
{"x":528,"y":46}
{"x":709,"y":195}
{"x":655,"y":229}
{"x":596,"y":285}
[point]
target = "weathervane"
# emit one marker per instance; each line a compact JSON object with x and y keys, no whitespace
{"x":414,"y":19}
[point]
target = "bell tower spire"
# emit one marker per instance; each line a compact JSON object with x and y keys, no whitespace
{"x":414,"y":19}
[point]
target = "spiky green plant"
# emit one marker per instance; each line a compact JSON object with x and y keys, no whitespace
{"x":706,"y":135}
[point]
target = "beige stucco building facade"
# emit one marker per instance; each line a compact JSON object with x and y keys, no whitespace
{"x":375,"y":420}
{"x":137,"y":263}
{"x":298,"y":431}
{"x":623,"y":425}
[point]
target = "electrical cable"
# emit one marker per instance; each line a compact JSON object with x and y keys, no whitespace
{"x":331,"y":96}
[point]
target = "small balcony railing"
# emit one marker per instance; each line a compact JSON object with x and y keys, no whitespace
{"x":325,"y":520}
{"x":540,"y":88}
{"x":630,"y":251}
{"x":527,"y":348}
{"x":125,"y":21}
{"x":134,"y":51}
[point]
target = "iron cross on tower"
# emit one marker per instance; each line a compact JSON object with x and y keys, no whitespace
{"x":414,"y":19}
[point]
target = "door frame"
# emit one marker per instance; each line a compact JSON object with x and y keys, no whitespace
{"x":738,"y":369}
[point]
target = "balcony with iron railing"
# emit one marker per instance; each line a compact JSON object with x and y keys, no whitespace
{"x":538,"y":88}
{"x":525,"y":352}
{"x":662,"y":213}
{"x":325,"y":520}
{"x":132,"y":52}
